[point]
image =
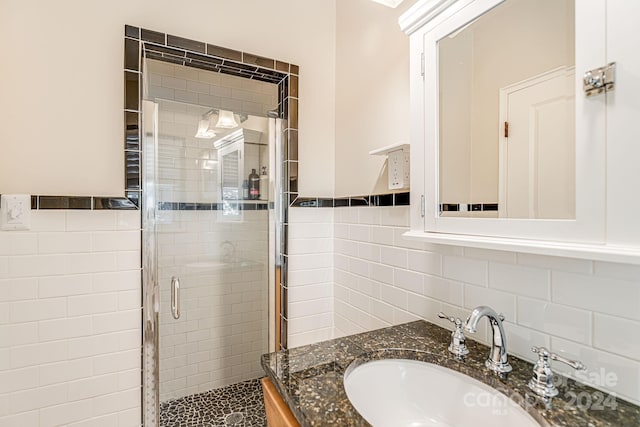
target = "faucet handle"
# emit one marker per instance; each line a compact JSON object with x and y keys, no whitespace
{"x":451,"y":319}
{"x":575,"y":364}
{"x":542,"y":381}
{"x":457,"y":346}
{"x":544,"y":354}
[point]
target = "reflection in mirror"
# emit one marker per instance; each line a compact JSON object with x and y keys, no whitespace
{"x":203,"y":159}
{"x":506,"y":113}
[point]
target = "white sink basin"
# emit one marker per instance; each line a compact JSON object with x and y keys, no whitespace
{"x":398,"y":392}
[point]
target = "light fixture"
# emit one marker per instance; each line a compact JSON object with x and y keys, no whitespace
{"x":204,"y":130}
{"x":226,"y":120}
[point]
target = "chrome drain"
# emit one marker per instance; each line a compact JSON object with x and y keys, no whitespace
{"x":234,"y":419}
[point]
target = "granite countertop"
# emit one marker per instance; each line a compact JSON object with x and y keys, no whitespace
{"x":310,"y":378}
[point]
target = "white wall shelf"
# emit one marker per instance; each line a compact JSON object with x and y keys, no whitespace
{"x":398,"y":164}
{"x":384,"y":151}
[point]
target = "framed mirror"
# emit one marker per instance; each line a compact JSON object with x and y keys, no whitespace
{"x":506,"y":106}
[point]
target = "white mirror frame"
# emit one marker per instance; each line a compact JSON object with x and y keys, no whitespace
{"x":427,"y":22}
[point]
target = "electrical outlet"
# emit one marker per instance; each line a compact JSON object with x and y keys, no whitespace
{"x":15,"y":211}
{"x":398,"y":166}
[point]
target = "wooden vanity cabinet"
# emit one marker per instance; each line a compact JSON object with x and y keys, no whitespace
{"x":278,"y":412}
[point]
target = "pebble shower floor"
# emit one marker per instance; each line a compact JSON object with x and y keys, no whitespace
{"x":236,"y":405}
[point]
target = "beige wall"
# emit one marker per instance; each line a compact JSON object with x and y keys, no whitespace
{"x":372,"y":93}
{"x":62,"y":87}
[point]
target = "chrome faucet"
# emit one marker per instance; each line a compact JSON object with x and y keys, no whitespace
{"x":497,"y":360}
{"x":542,"y":382}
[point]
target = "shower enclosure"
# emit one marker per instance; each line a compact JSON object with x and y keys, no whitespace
{"x":209,"y":245}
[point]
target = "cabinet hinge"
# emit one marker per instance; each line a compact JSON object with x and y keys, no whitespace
{"x":506,"y":129}
{"x":422,"y":207}
{"x":422,"y":64}
{"x":599,"y":80}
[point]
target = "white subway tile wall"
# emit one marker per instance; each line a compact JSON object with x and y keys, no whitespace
{"x":222,"y":329}
{"x":70,"y":320}
{"x":188,"y":166}
{"x":70,"y":303}
{"x":310,"y":275}
{"x":581,"y":309}
{"x":206,"y":88}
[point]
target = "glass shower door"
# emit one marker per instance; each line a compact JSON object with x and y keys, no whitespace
{"x":212,"y":256}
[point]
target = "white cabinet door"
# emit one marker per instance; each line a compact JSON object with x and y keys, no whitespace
{"x":623,"y":123}
{"x":588,"y":226}
{"x":607,"y":168}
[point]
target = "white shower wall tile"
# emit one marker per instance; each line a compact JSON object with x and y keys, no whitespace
{"x":555,"y":319}
{"x":521,"y":280}
{"x":222,"y":268}
{"x":548,"y":301}
{"x":620,"y":298}
{"x":466,"y":270}
{"x":52,"y":337}
{"x":310,"y":277}
{"x":605,"y":371}
{"x":612,"y":334}
{"x":617,"y":271}
{"x":310,"y":261}
{"x":19,"y":244}
{"x":490,"y":255}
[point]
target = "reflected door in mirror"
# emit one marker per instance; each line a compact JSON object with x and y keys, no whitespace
{"x":537,"y":148}
{"x":488,"y":70}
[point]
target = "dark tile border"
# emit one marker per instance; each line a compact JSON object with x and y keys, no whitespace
{"x":389,"y":199}
{"x":141,"y":42}
{"x":468,"y":207}
{"x":186,"y":206}
{"x":81,"y":203}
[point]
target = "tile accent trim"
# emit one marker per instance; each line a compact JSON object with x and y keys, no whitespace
{"x":140,"y":43}
{"x":180,"y":206}
{"x":389,"y":199}
{"x":468,"y":207}
{"x":81,"y":203}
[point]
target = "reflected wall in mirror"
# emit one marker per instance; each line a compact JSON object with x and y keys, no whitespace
{"x":506,"y":113}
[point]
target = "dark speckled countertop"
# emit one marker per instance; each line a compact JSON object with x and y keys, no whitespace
{"x":310,"y":378}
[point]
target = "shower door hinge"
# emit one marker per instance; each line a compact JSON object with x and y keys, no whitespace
{"x":422,"y":206}
{"x":422,"y":64}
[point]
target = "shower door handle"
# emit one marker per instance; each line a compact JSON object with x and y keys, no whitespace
{"x":175,"y":297}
